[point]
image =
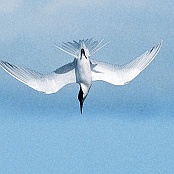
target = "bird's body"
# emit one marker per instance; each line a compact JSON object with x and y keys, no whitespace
{"x":82,"y":70}
{"x":83,"y":76}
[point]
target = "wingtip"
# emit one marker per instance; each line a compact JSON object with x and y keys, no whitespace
{"x":159,"y":45}
{"x":2,"y":63}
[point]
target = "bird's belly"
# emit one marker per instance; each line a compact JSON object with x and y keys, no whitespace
{"x":83,"y":72}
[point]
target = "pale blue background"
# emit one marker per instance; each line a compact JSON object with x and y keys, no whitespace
{"x":127,"y":129}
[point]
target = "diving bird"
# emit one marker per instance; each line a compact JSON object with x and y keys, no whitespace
{"x":82,"y":69}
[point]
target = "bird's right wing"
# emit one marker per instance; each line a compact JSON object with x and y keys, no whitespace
{"x":123,"y":74}
{"x":49,"y":83}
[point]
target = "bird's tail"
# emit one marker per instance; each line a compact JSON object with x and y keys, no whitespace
{"x":73,"y":48}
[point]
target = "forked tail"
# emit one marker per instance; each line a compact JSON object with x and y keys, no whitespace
{"x":73,"y":48}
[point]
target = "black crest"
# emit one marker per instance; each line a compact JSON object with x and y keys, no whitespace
{"x":80,"y":97}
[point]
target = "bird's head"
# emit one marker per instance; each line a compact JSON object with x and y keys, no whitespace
{"x":83,"y":92}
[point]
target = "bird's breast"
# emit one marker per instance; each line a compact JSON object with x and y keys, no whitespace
{"x":83,"y":71}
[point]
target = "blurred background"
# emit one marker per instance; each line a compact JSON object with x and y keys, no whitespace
{"x":124,"y":129}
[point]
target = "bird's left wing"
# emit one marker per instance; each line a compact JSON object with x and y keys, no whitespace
{"x":49,"y":83}
{"x":123,"y":74}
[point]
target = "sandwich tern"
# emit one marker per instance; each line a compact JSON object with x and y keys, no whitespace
{"x":82,"y":69}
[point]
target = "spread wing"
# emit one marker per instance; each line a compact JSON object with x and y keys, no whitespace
{"x":49,"y":83}
{"x":122,"y":74}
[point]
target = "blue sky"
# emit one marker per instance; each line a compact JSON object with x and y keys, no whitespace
{"x":124,"y":129}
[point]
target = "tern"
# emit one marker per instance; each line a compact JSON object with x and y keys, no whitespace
{"x":82,"y":69}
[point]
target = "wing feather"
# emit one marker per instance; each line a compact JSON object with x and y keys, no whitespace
{"x":123,"y":74}
{"x":49,"y":83}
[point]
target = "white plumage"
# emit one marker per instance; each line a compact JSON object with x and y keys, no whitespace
{"x":82,"y":70}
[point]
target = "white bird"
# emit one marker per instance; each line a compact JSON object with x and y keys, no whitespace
{"x":82,"y":70}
